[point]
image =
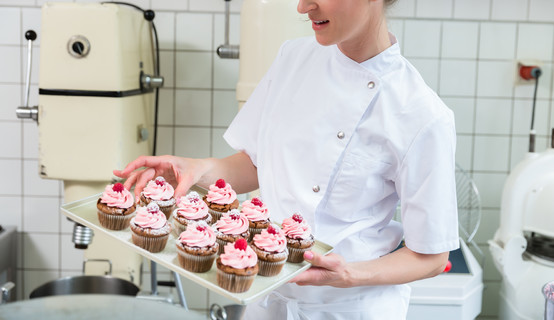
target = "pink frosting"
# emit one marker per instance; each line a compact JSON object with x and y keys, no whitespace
{"x":123,"y":199}
{"x":238,"y":259}
{"x":198,"y":235}
{"x":150,"y":217}
{"x":192,"y":207}
{"x":271,"y":242}
{"x":158,"y":191}
{"x":221,"y":195}
{"x":254,"y":212}
{"x":232,"y":222}
{"x":296,"y":230}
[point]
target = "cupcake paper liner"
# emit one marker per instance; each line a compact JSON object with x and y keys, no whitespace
{"x":222,"y":244}
{"x":234,"y":283}
{"x":194,"y":263}
{"x":269,"y":269}
{"x":153,"y":245}
{"x":215,"y":215}
{"x":177,"y":228}
{"x":296,"y":255}
{"x":254,"y":231}
{"x":113,"y":221}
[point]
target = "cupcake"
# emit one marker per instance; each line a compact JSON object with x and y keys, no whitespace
{"x":257,"y":214}
{"x":237,"y":267}
{"x":196,"y":247}
{"x":299,"y":237}
{"x":189,"y":209}
{"x":231,"y":227}
{"x":149,"y":228}
{"x":160,"y":192}
{"x":271,"y":248}
{"x":221,"y":198}
{"x":116,"y":207}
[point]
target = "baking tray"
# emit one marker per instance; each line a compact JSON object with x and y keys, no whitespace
{"x":84,"y":212}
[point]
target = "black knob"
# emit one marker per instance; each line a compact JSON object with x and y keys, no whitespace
{"x":30,"y":35}
{"x":78,"y":47}
{"x":149,"y":15}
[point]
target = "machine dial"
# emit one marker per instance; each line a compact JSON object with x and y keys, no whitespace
{"x":78,"y":46}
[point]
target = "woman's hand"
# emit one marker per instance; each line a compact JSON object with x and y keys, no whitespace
{"x":181,"y":173}
{"x":329,"y":270}
{"x":400,"y":266}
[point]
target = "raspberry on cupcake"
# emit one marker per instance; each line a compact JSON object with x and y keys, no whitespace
{"x":258,"y":215}
{"x":160,"y":192}
{"x":237,"y":267}
{"x":196,"y":247}
{"x":190,"y":208}
{"x":149,"y":228}
{"x":116,"y":207}
{"x":231,"y":227}
{"x":221,"y":198}
{"x":299,"y":237}
{"x":271,"y":248}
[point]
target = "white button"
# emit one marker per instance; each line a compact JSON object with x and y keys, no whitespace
{"x":315,"y":188}
{"x":371,"y":84}
{"x":340,"y":134}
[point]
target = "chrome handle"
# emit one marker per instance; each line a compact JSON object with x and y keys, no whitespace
{"x":148,"y":81}
{"x":6,"y":292}
{"x":26,"y":112}
{"x":98,"y":260}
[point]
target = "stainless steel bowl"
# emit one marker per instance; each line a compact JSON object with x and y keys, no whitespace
{"x":86,"y":285}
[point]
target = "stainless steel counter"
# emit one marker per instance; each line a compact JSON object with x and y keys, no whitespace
{"x":95,"y":306}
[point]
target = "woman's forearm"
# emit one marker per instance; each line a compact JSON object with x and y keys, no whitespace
{"x":400,"y":266}
{"x":237,"y":169}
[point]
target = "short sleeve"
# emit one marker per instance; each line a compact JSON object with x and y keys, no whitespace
{"x":242,"y":134}
{"x":426,"y":184}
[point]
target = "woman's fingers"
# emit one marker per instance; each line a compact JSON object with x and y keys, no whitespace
{"x":142,"y":161}
{"x":142,"y":180}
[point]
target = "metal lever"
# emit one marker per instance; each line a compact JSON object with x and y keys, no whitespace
{"x":226,"y":50}
{"x":148,"y":81}
{"x":26,"y":112}
{"x":6,"y":292}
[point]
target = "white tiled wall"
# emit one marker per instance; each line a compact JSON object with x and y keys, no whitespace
{"x":465,"y":49}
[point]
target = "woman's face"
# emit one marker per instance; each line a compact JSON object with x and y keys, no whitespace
{"x":342,"y":22}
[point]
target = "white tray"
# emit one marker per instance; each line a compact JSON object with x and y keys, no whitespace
{"x":84,"y":212}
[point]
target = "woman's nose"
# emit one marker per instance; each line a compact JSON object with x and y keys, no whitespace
{"x":305,"y":6}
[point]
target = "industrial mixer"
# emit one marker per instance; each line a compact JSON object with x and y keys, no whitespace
{"x":97,"y":78}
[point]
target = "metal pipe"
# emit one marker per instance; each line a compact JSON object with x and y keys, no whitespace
{"x":153,"y":278}
{"x":179,"y":287}
{"x":226,"y":50}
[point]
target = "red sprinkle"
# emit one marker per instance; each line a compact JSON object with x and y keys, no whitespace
{"x":241,"y":244}
{"x":118,"y":187}
{"x":297,"y":217}
{"x":234,"y":214}
{"x":220,"y":183}
{"x":159,"y":181}
{"x":200,"y":227}
{"x":272,"y":230}
{"x":257,"y":202}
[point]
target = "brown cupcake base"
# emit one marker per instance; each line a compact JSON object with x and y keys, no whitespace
{"x":235,"y":280}
{"x":196,"y":259}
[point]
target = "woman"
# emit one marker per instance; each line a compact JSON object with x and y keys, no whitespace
{"x":340,"y":129}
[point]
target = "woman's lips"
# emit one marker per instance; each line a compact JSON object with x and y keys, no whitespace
{"x":319,"y":24}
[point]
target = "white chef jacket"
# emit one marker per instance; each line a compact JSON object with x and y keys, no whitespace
{"x":342,"y":143}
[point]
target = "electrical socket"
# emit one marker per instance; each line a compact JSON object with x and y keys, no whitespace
{"x":518,"y":64}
